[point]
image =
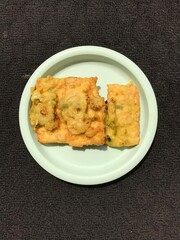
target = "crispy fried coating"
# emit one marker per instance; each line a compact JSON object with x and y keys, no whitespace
{"x":68,"y":110}
{"x":123,"y":113}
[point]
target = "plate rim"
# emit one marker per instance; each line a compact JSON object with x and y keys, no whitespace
{"x":84,"y":50}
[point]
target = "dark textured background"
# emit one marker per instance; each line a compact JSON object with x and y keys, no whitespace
{"x":144,"y":204}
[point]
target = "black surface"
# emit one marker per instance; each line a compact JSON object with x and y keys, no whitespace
{"x":144,"y":204}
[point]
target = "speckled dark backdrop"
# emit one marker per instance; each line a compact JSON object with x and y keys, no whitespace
{"x":144,"y":204}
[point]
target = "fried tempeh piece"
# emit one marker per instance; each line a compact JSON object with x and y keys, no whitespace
{"x":123,"y":113}
{"x":68,"y":110}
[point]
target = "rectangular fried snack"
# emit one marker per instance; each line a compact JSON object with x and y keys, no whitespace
{"x":122,"y":118}
{"x":68,"y":110}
